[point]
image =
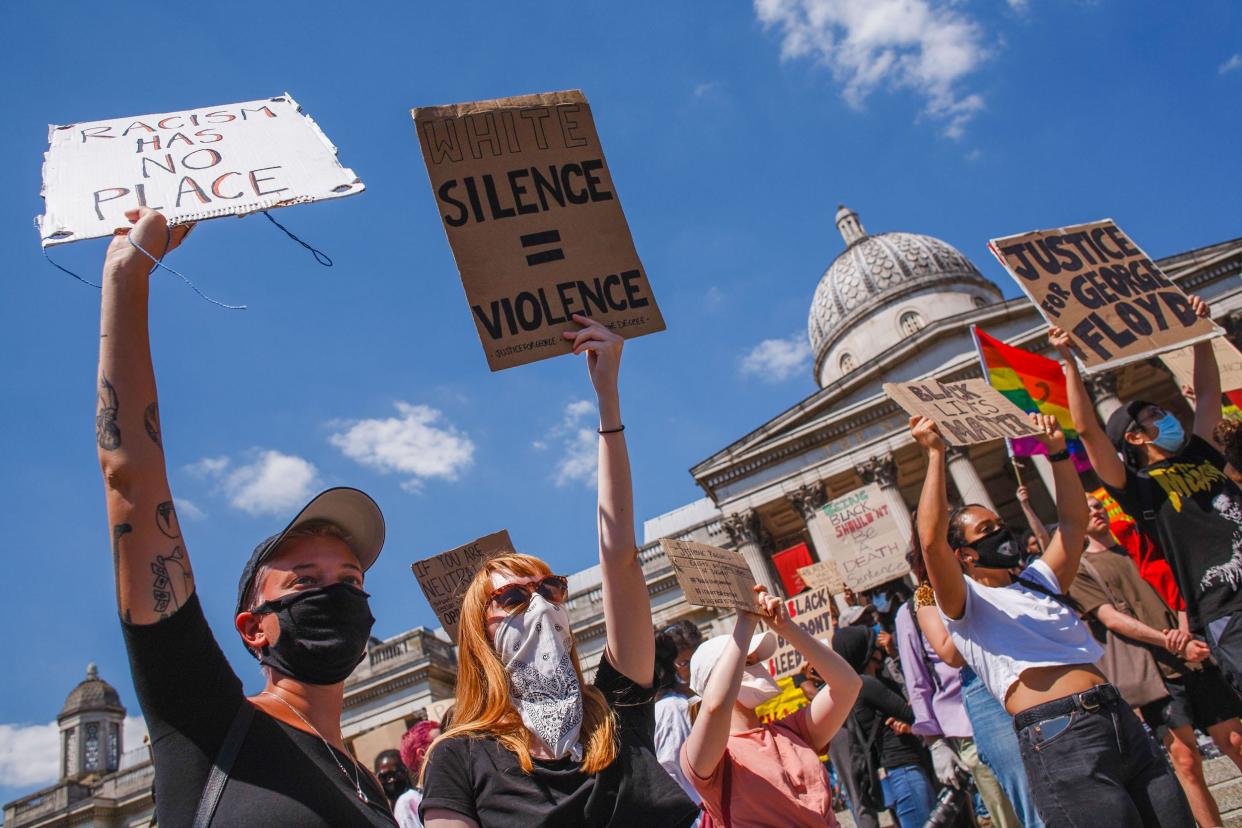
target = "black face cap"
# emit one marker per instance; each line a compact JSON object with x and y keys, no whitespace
{"x":351,"y":510}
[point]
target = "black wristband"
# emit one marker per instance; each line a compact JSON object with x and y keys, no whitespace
{"x":1063,"y":454}
{"x":611,"y":430}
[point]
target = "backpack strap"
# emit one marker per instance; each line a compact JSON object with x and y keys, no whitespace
{"x":223,"y":764}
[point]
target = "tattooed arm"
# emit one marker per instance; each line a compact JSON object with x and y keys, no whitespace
{"x":153,"y":577}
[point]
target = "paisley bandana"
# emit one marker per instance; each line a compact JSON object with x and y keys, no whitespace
{"x":534,"y":647}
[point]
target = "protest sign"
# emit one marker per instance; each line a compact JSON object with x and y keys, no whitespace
{"x":535,"y":223}
{"x":191,"y":165}
{"x":812,"y":612}
{"x":870,"y":546}
{"x":1182,"y":363}
{"x":710,"y":576}
{"x":435,"y":710}
{"x":790,"y":701}
{"x":823,"y":575}
{"x":1095,"y":283}
{"x":970,"y":411}
{"x":445,"y":577}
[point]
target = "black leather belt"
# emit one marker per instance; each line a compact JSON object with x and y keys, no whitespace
{"x":1088,"y":700}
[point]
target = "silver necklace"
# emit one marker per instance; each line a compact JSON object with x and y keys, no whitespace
{"x":357,"y":783}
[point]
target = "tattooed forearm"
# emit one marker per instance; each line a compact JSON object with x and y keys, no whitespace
{"x":151,"y":418}
{"x":166,"y":520}
{"x":106,"y":432}
{"x":172,"y":581}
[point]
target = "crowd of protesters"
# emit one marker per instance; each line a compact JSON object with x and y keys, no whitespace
{"x":1026,"y":677}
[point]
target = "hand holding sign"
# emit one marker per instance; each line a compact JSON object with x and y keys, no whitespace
{"x":150,"y":232}
{"x":603,"y":350}
{"x":771,"y":610}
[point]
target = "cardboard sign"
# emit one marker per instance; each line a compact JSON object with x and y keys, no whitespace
{"x":445,"y":577}
{"x":967,"y":412}
{"x":1182,"y":363}
{"x":823,"y":575}
{"x":435,"y":710}
{"x":535,"y":223}
{"x":193,"y":165}
{"x":870,"y":546}
{"x":710,"y":576}
{"x":1095,"y":283}
{"x":811,"y":611}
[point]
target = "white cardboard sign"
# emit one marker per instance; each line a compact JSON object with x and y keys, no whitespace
{"x":192,"y":165}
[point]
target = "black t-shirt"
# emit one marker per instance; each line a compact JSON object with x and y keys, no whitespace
{"x":281,"y":776}
{"x":480,"y":779}
{"x":879,"y":699}
{"x":1194,"y":511}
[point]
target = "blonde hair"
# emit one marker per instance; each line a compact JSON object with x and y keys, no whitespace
{"x":484,"y":705}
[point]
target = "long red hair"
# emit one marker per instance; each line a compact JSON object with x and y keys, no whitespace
{"x":484,"y":706}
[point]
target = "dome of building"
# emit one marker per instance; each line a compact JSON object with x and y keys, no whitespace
{"x":92,"y":694}
{"x":884,"y":288}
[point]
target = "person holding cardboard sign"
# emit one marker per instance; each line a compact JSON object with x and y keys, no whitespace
{"x":1175,"y":487}
{"x":221,"y":758}
{"x":532,"y":744}
{"x":1084,"y":750}
{"x":731,"y":755}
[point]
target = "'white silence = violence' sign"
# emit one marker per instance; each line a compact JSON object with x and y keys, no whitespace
{"x":812,"y":612}
{"x":868,"y":544}
{"x":1094,"y":282}
{"x":535,"y":223}
{"x":710,"y":576}
{"x":970,"y":411}
{"x":191,"y":165}
{"x":444,"y":578}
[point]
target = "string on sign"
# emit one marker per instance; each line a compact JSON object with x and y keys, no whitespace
{"x":160,"y":263}
{"x":321,"y":257}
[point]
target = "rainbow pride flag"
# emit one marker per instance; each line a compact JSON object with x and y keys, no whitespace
{"x":1036,"y":385}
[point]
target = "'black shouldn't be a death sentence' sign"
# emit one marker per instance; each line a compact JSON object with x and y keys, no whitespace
{"x":536,"y":227}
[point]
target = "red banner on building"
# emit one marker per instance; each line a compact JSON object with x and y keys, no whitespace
{"x":788,"y":562}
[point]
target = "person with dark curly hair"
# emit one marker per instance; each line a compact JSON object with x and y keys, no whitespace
{"x":1228,"y":435}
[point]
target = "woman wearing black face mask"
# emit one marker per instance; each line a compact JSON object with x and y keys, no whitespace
{"x":1085,"y":752}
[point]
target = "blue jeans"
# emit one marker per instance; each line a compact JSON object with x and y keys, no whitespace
{"x":998,"y":746}
{"x":908,"y":791}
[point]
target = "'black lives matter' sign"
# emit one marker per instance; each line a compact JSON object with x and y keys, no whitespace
{"x":1096,"y":284}
{"x":970,"y":411}
{"x":535,"y":223}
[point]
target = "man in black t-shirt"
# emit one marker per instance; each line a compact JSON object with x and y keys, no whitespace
{"x":1175,"y":488}
{"x":220,"y":758}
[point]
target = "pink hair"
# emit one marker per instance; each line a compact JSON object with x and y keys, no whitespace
{"x":414,"y":745}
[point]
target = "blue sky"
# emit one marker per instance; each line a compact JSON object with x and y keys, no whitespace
{"x":732,"y":132}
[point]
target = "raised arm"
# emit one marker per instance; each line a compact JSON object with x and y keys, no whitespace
{"x":1100,"y":451}
{"x":943,"y":570}
{"x":705,"y":746}
{"x":1032,"y":519}
{"x":1065,"y":548}
{"x":627,"y":604}
{"x":1207,"y":380}
{"x":153,"y":577}
{"x":841,"y":683}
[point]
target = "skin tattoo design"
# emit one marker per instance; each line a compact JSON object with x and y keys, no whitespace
{"x":106,"y":432}
{"x":151,"y":419}
{"x":166,"y":520}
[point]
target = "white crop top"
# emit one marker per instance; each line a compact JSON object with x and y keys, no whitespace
{"x":1005,"y":631}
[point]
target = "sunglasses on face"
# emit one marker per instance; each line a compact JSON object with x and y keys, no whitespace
{"x":514,"y":597}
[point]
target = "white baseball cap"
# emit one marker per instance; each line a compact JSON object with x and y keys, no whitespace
{"x":762,"y":645}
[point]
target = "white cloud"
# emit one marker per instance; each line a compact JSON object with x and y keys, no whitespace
{"x":1234,"y":63}
{"x":208,"y":467}
{"x":928,"y":46}
{"x":576,"y":442}
{"x":30,"y":753}
{"x":273,"y":484}
{"x":414,"y":444}
{"x":776,"y":360}
{"x":187,"y":509}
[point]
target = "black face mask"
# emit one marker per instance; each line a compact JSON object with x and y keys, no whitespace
{"x":998,"y":549}
{"x":323,"y":633}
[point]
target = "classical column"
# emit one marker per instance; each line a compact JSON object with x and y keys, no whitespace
{"x":966,"y":479}
{"x":1044,"y":468}
{"x":807,"y":500}
{"x":883,"y":472}
{"x":1103,"y":389}
{"x":748,"y":537}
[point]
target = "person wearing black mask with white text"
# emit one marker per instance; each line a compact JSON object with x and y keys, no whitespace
{"x":277,"y":758}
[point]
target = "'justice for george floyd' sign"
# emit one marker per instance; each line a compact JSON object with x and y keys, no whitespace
{"x":191,"y":165}
{"x":535,"y":223}
{"x":970,"y":411}
{"x":1095,"y":283}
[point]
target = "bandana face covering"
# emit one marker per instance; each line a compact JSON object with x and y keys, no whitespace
{"x":323,"y":633}
{"x":534,"y":647}
{"x":757,"y":687}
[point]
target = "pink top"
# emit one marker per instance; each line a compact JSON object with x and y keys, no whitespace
{"x":783,"y":781}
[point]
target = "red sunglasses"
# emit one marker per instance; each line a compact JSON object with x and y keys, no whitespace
{"x":513,"y":597}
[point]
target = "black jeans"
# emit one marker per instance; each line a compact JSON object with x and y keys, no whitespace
{"x":1090,"y":768}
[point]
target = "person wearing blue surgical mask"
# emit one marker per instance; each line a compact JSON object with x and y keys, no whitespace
{"x":1175,"y":487}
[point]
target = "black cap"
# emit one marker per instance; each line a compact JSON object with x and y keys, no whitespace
{"x":351,"y":510}
{"x":1122,"y":421}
